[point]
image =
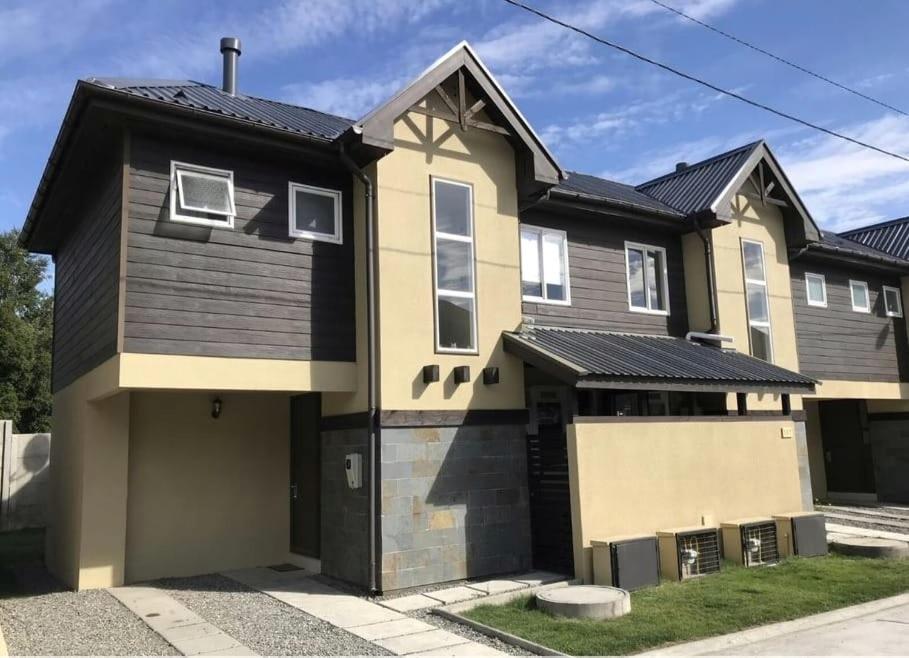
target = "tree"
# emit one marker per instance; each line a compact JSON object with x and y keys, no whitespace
{"x":26,"y":337}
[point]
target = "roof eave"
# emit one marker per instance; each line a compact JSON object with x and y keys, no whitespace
{"x":616,"y":203}
{"x":889,"y":263}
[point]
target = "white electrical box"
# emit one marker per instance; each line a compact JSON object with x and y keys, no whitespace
{"x":353,"y":465}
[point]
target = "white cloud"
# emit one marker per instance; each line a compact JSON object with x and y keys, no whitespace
{"x":347,"y":97}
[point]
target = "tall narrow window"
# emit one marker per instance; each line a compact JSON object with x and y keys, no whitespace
{"x":861,"y":300}
{"x":648,"y":285}
{"x":758,"y":303}
{"x":201,"y":195}
{"x":893,"y":304}
{"x":453,"y":261}
{"x":544,"y":265}
{"x":816,"y":289}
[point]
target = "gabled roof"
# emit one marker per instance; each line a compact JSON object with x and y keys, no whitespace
{"x":696,"y":187}
{"x":890,"y":237}
{"x":602,"y":359}
{"x":213,"y":100}
{"x":601,"y":189}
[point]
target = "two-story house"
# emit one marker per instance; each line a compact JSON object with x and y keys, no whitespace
{"x":402,"y":349}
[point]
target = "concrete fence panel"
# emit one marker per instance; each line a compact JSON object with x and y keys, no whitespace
{"x":24,"y":460}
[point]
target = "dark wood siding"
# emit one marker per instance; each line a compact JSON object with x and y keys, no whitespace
{"x":86,"y":281}
{"x":596,"y":263}
{"x":247,"y":292}
{"x":839,"y":343}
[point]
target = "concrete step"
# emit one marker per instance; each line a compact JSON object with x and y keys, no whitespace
{"x":845,"y":519}
{"x":870,"y":512}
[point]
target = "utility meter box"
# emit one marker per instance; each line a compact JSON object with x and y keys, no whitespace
{"x":353,"y":465}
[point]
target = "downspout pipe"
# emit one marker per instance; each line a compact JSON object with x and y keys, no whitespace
{"x":371,"y":358}
{"x":708,"y":264}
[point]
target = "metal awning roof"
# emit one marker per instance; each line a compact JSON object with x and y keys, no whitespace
{"x":602,"y":359}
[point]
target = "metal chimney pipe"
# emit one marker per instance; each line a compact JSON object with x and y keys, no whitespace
{"x":230,"y":48}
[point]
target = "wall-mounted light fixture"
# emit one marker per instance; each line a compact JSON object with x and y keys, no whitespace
{"x":430,"y":374}
{"x":461,"y":374}
{"x":491,"y":375}
{"x":216,"y":408}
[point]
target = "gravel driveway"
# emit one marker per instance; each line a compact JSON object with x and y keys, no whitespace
{"x":266,"y":626}
{"x":48,"y":620}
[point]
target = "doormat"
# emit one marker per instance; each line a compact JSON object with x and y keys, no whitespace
{"x":285,"y":567}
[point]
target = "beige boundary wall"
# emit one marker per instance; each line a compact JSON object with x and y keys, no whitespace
{"x":636,"y":477}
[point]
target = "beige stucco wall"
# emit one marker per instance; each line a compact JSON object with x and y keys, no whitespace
{"x":833,"y":389}
{"x":696,"y":296}
{"x":206,"y":494}
{"x":751,"y":221}
{"x":88,"y":484}
{"x":426,"y":147}
{"x":639,"y":477}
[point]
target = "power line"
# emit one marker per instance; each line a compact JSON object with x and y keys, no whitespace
{"x":709,"y":85}
{"x":778,"y":58}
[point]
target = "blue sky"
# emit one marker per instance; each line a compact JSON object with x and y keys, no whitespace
{"x":601,"y":112}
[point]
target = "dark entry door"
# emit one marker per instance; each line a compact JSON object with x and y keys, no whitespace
{"x":305,"y":474}
{"x":547,"y":479}
{"x":847,"y":450}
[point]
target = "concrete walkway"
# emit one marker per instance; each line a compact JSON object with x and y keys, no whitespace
{"x":185,"y":630}
{"x":387,"y":628}
{"x":874,"y":628}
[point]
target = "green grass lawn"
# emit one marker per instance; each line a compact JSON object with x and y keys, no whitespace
{"x":734,"y":599}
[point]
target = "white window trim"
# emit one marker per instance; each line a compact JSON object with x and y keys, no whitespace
{"x":337,"y":237}
{"x":863,"y":284}
{"x":541,"y":231}
{"x":768,"y":324}
{"x":823,"y":302}
{"x":899,"y":302}
{"x":641,"y":309}
{"x":211,"y":172}
{"x":436,"y":291}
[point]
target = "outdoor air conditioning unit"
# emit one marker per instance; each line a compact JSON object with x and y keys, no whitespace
{"x":629,"y":562}
{"x":689,"y":552}
{"x":801,"y":533}
{"x":751,"y":542}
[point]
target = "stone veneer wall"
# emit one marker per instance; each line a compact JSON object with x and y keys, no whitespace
{"x":345,"y":511}
{"x":454,"y":503}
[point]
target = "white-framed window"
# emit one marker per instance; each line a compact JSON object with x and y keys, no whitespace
{"x":893,"y":302}
{"x":314,"y":213}
{"x":816,"y":289}
{"x":861,"y":299}
{"x":201,"y":195}
{"x":454,"y":267}
{"x":760,"y":336}
{"x":647,"y":278}
{"x":544,"y":265}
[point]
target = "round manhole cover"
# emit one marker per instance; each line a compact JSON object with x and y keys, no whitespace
{"x":586,"y":602}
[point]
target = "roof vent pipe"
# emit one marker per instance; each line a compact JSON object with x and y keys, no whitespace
{"x":679,"y":166}
{"x":230,"y":48}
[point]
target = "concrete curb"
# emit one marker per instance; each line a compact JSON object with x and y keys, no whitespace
{"x":727,"y":644}
{"x":452,"y":613}
{"x":4,"y":650}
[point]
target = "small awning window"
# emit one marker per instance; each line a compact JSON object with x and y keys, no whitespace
{"x":202,"y":195}
{"x":602,"y":359}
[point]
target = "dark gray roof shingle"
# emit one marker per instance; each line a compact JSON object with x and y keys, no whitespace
{"x":891,"y":237}
{"x":661,"y":360}
{"x":206,"y":98}
{"x":697,"y":186}
{"x":612,"y":191}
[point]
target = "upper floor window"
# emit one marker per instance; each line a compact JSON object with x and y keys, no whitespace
{"x":648,"y":283}
{"x":201,"y":195}
{"x":757,"y":300}
{"x":893,"y":303}
{"x":816,"y":289}
{"x":861,"y":300}
{"x":454,"y":269}
{"x":544,"y":265}
{"x":315,"y":213}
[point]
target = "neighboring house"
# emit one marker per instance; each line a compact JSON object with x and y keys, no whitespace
{"x":404,"y":349}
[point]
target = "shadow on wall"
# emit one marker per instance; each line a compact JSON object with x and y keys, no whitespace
{"x":24,"y":459}
{"x":455,"y":503}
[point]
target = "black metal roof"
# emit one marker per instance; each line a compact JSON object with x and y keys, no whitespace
{"x":890,"y":237}
{"x":602,"y":189}
{"x":602,"y":359}
{"x":837,"y":245}
{"x":207,"y":98}
{"x":697,"y":186}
